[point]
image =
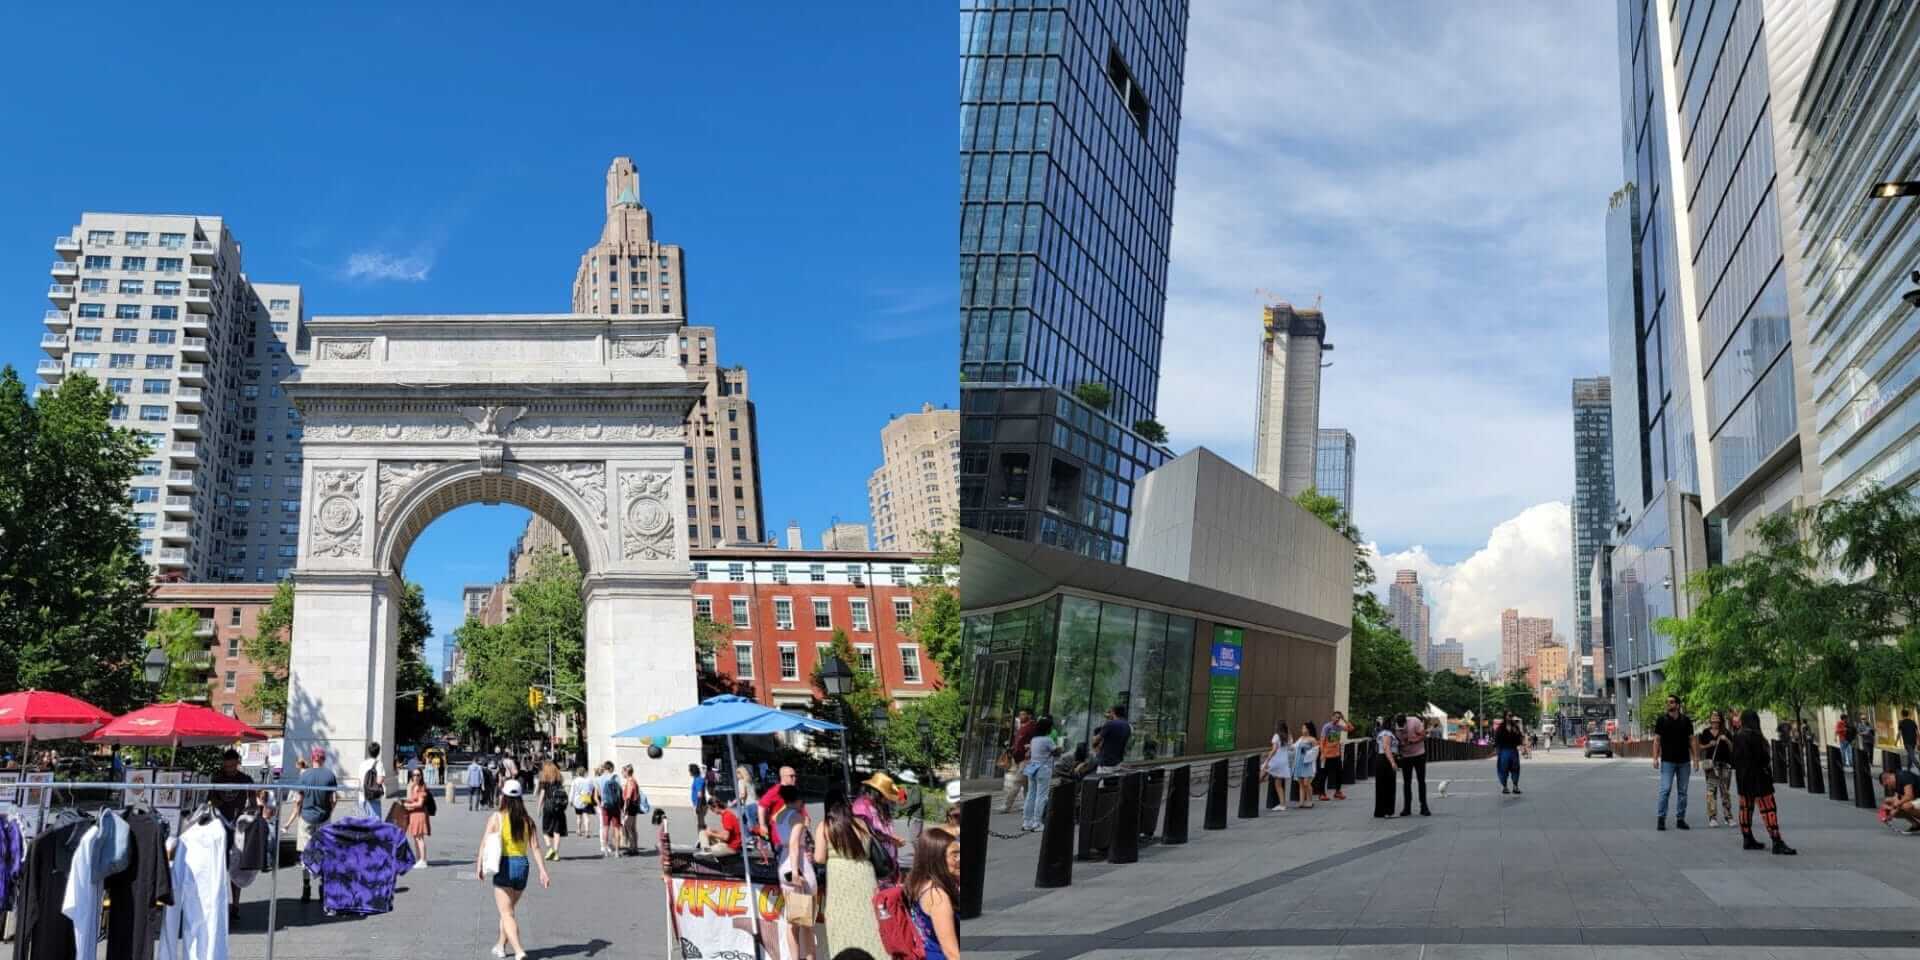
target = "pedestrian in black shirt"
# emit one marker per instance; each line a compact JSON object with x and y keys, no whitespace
{"x":1673,"y":756}
{"x":1753,"y":771}
{"x":1908,"y":735}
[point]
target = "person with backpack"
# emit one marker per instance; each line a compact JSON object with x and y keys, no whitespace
{"x":373,"y":782}
{"x":612,"y":800}
{"x":585,"y":796}
{"x":633,"y":805}
{"x":931,"y":890}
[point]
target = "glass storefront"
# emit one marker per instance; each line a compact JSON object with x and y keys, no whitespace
{"x":1071,"y":658}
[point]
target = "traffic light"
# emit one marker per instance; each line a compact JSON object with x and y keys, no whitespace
{"x":535,"y":698}
{"x":420,"y":703}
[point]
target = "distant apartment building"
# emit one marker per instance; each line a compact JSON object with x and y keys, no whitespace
{"x":1407,"y":605}
{"x":1287,"y":427}
{"x":157,"y":308}
{"x":1520,"y":641}
{"x":229,"y":614}
{"x":845,"y":536}
{"x":917,"y":486}
{"x":780,"y":608}
{"x":1450,"y":654}
{"x":628,"y":272}
{"x":1333,"y":466}
{"x":1550,"y":664}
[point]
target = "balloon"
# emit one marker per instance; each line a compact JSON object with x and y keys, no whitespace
{"x":662,"y":741}
{"x":654,"y":752}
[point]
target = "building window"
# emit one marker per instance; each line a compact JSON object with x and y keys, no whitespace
{"x":899,"y":573}
{"x":865,"y":653}
{"x":230,"y":681}
{"x":860,"y":619}
{"x":822,"y":613}
{"x":700,"y":570}
{"x":902,"y":609}
{"x":743,"y":661}
{"x":739,"y":611}
{"x":783,"y":613}
{"x":779,"y":573}
{"x":227,"y":708}
{"x":789,"y":662}
{"x":159,"y":361}
{"x":120,"y":384}
{"x":145,"y":494}
{"x":703,"y":608}
{"x":133,"y":264}
{"x":736,"y":573}
{"x":153,"y":414}
{"x":233,"y":614}
{"x":160,"y":337}
{"x":233,"y":646}
{"x":817,"y":573}
{"x":910,"y":664}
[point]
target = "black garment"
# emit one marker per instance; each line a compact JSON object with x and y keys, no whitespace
{"x":1114,"y":735}
{"x":229,"y":802}
{"x":41,"y":931}
{"x":553,"y":808}
{"x":1675,"y":734}
{"x":145,"y":887}
{"x":248,"y":842}
{"x":1411,"y":767}
{"x":1752,"y":764}
{"x":1382,"y":787}
{"x":1508,"y":736}
{"x":1902,"y":779}
{"x":1909,"y":733}
{"x":1714,"y":751}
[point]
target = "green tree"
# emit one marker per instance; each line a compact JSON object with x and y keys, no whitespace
{"x":1096,"y":395}
{"x":935,"y":624}
{"x":411,"y":724}
{"x":1385,"y":677}
{"x":176,"y":633}
{"x":1516,"y":695}
{"x":1151,"y":430}
{"x":709,"y":635}
{"x":863,"y":737}
{"x":1454,"y":693}
{"x":550,"y":621}
{"x":945,"y":712}
{"x":73,"y":586}
{"x":490,"y":703}
{"x":271,"y":649}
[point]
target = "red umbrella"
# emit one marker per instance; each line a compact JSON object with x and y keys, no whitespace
{"x":43,"y":715}
{"x":176,"y":725}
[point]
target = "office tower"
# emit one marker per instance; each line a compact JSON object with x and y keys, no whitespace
{"x":1535,"y":633}
{"x":1069,"y":131}
{"x":1333,"y":467}
{"x":628,"y":272}
{"x":795,"y":540}
{"x":845,"y":536}
{"x":1287,"y":427}
{"x":917,"y":486}
{"x":1407,"y":606}
{"x":1592,"y":495}
{"x":1854,"y":127}
{"x":158,"y":309}
{"x":1450,"y":654}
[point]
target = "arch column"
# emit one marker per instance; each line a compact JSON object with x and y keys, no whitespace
{"x":640,"y":663}
{"x":342,"y":668}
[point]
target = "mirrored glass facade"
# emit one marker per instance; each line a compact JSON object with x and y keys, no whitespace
{"x":1333,"y":467}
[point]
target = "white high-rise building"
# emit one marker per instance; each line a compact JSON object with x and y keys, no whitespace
{"x":917,"y":486}
{"x":157,"y":308}
{"x":1287,"y":432}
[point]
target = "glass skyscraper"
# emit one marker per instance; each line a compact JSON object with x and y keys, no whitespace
{"x":1333,"y":467}
{"x":1592,"y":503}
{"x":1069,"y":128}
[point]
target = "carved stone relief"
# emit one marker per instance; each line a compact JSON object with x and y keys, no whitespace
{"x":395,"y":478}
{"x":338,"y":524}
{"x":499,"y":423}
{"x":345,"y":349}
{"x":639,"y":348}
{"x":646,"y":517}
{"x":587,"y":479}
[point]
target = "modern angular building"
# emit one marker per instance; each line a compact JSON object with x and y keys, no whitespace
{"x":1333,"y":466}
{"x":1287,"y":418}
{"x":1592,"y":501}
{"x":158,"y":309}
{"x":627,"y":271}
{"x":1407,"y":605}
{"x":1069,"y":132}
{"x":917,"y":485}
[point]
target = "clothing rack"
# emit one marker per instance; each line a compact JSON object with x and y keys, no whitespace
{"x":279,"y":790}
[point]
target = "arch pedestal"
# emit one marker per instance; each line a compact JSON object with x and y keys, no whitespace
{"x":579,"y":419}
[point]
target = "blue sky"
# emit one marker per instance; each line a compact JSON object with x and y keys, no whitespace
{"x":804,"y":161}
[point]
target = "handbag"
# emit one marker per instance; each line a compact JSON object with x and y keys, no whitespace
{"x":432,"y":809}
{"x":881,"y":856}
{"x":490,"y":854}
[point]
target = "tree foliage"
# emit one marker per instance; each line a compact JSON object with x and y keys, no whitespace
{"x":176,"y":633}
{"x":1386,"y":678}
{"x":865,"y":693}
{"x":410,"y":723}
{"x":935,"y":624}
{"x":1456,"y":694}
{"x":1096,"y":395}
{"x":271,"y":649}
{"x":1517,"y":695}
{"x":548,"y":627}
{"x":72,"y":583}
{"x":945,"y":712}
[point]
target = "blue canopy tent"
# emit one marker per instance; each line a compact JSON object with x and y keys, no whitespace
{"x":729,"y":716}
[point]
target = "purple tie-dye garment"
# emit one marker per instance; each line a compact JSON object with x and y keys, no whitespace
{"x":13,"y":853}
{"x":357,"y":861}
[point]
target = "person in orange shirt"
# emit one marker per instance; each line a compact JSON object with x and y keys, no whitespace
{"x":1332,"y":733}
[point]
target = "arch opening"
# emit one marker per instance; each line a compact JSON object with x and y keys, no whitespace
{"x":461,"y":484}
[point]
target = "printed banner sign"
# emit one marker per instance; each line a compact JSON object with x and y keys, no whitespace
{"x":710,"y":916}
{"x":1223,"y":688}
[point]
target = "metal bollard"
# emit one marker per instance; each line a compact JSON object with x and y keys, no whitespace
{"x":1178,"y":785}
{"x":1349,"y":763}
{"x":1863,"y":780}
{"x":1152,"y":788}
{"x":1216,"y":796}
{"x":1083,"y":816}
{"x":974,"y":813}
{"x":1779,"y":761}
{"x":1836,"y":776}
{"x":1250,"y":789}
{"x":1056,"y":839}
{"x":1815,"y":782}
{"x":1796,"y":771}
{"x":1126,"y":821}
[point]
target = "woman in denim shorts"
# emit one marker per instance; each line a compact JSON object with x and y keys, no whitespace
{"x":519,"y":852}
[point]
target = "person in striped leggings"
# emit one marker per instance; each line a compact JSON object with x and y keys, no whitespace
{"x":1753,"y":772}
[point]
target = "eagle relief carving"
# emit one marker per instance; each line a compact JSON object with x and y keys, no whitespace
{"x":646,"y":518}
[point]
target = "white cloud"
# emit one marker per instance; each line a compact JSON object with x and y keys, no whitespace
{"x":375,"y":265}
{"x":1441,"y":176}
{"x":1526,"y":563}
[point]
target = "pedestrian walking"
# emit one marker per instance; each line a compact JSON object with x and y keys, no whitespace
{"x":1843,"y":734}
{"x":1910,"y":738}
{"x":519,"y":848}
{"x":772,"y":801}
{"x":1413,"y":766}
{"x":419,"y":807}
{"x":1332,"y":773}
{"x":613,"y":800}
{"x":1384,"y":767}
{"x":1673,"y":747}
{"x":798,"y":880}
{"x":874,"y":808}
{"x":373,"y":782}
{"x":746,"y":799}
{"x":933,"y":891}
{"x":553,"y":807}
{"x":1039,"y":774}
{"x":1304,"y":752}
{"x":581,"y":790}
{"x":1753,"y":772}
{"x":845,"y":841}
{"x":316,"y":808}
{"x":697,"y":793}
{"x":1509,"y":742}
{"x":476,"y":783}
{"x":1278,"y":768}
{"x":1716,"y":765}
{"x":633,"y":805}
{"x":1014,"y":783}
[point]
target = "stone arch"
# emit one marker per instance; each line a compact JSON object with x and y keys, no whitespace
{"x":447,"y":486}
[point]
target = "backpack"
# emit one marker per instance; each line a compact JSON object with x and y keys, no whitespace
{"x":610,"y":794}
{"x":639,"y":806}
{"x":891,"y":912}
{"x":370,"y":784}
{"x":432,"y":809}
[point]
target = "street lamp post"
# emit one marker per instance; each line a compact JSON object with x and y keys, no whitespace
{"x":925,"y":728}
{"x":837,"y":680}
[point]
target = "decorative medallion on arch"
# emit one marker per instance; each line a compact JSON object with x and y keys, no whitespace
{"x":337,"y":517}
{"x":648,"y":529}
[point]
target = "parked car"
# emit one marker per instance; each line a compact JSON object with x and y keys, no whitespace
{"x":1599,"y":743}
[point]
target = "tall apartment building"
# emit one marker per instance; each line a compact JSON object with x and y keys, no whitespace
{"x":1450,"y":654}
{"x":917,"y":485}
{"x":628,"y":272}
{"x":1520,"y":641}
{"x":157,"y":308}
{"x":1592,"y":498}
{"x":1407,"y":605}
{"x":845,"y":536}
{"x":1550,"y":663}
{"x":1287,"y":425}
{"x":1333,"y":466}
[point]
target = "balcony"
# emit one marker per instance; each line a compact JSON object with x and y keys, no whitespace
{"x":193,"y":373}
{"x":194,"y":348}
{"x":51,"y":370}
{"x":178,"y":505}
{"x":61,"y":293}
{"x":199,"y":300}
{"x":174,"y":530}
{"x":189,"y":398}
{"x":186,"y":452}
{"x":204,"y":628}
{"x":66,"y":246}
{"x":180,"y":478}
{"x":202,"y":251}
{"x":170,"y":557}
{"x":186,"y":424}
{"x":65,"y":269}
{"x":199,"y":276}
{"x":57,"y":319}
{"x":195,"y":324}
{"x":53,"y":342}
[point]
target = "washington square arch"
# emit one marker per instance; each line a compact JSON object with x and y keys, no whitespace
{"x":580,"y":419}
